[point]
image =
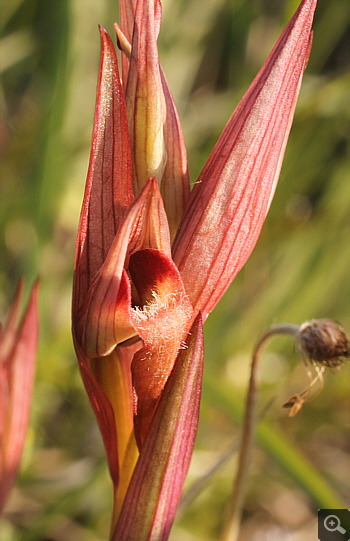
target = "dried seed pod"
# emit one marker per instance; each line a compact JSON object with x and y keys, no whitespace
{"x":324,"y":342}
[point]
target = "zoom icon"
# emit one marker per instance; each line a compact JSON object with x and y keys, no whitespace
{"x":334,"y":525}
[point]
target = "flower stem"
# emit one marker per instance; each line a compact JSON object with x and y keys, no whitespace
{"x":233,"y":520}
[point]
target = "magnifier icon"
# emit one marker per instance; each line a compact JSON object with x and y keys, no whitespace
{"x":332,"y":524}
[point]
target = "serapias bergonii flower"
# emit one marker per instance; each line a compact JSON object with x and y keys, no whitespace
{"x":18,"y":349}
{"x":152,"y":255}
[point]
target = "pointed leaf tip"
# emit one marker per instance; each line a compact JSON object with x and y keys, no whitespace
{"x":108,"y":191}
{"x":228,"y":204}
{"x":145,"y":98}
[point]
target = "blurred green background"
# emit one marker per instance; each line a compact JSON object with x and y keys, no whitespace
{"x":210,"y":51}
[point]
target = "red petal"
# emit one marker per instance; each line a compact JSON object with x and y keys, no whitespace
{"x":103,"y":411}
{"x":127,"y":10}
{"x":162,"y":321}
{"x":107,"y":382}
{"x":175,"y":184}
{"x":127,"y":18}
{"x":105,"y":317}
{"x":155,"y":489}
{"x":16,"y":391}
{"x":145,"y":98}
{"x":152,"y":228}
{"x":108,"y":191}
{"x":230,"y":200}
{"x":8,"y":335}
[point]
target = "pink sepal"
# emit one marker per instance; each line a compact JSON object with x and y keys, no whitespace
{"x":17,"y":368}
{"x":230,"y":200}
{"x":103,"y":411}
{"x":108,"y":191}
{"x":144,"y":98}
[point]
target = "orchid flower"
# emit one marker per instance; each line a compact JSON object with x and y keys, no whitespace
{"x":17,"y":364}
{"x":153,"y":258}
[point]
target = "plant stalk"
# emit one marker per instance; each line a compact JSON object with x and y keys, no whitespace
{"x":233,"y":520}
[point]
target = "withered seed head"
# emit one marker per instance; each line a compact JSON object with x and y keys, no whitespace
{"x":295,"y":403}
{"x":324,"y":342}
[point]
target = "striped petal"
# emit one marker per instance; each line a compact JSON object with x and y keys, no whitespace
{"x":17,"y":366}
{"x":108,"y":191}
{"x":145,"y":98}
{"x":175,"y":184}
{"x":229,"y":202}
{"x":127,"y":10}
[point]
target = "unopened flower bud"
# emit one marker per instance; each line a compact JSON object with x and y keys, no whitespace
{"x":324,"y":341}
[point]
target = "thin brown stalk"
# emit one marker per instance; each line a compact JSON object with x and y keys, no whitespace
{"x":233,"y":520}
